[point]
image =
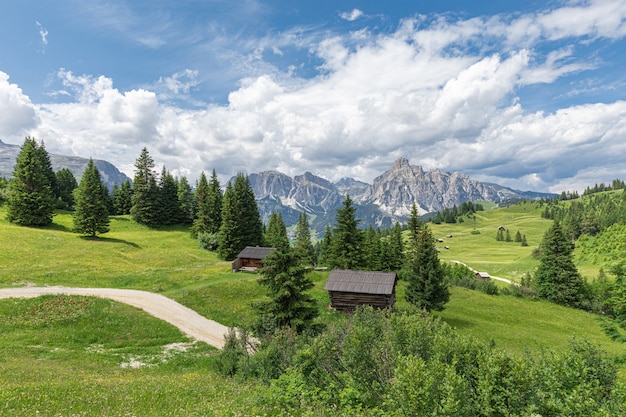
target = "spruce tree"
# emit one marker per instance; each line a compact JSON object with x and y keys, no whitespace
{"x":91,"y":215}
{"x":556,"y":277}
{"x":30,"y":195}
{"x":241,"y":221}
{"x":169,"y":209}
{"x":201,"y":217}
{"x":347,"y":238}
{"x":303,"y":246}
{"x":426,"y":285}
{"x":326,"y":248}
{"x":287,"y":283}
{"x":276,"y":233}
{"x":185,"y":201}
{"x":65,"y":185}
{"x":145,"y":198}
{"x":372,"y":256}
{"x":396,"y":249}
{"x":214,"y":204}
{"x":122,"y":200}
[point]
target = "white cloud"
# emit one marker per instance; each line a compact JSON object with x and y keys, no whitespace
{"x":351,"y":16}
{"x":17,"y":113}
{"x":43,"y":33}
{"x":442,"y":93}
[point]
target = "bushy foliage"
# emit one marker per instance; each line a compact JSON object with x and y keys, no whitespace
{"x":208,"y":241}
{"x":401,"y":364}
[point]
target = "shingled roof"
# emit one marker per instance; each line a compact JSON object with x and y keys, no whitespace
{"x":255,"y":252}
{"x":363,"y":282}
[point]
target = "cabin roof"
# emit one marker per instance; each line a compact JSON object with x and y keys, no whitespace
{"x":255,"y":252}
{"x":364,"y":282}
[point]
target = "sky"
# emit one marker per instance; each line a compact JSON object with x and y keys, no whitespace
{"x":525,"y":94}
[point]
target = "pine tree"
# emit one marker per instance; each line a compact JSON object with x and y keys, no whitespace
{"x":396,"y":249}
{"x":276,"y":233}
{"x":46,"y":165}
{"x":426,"y":285}
{"x":145,"y":198}
{"x":30,"y":194}
{"x":241,"y":221}
{"x":169,"y":209}
{"x":65,"y":185}
{"x":518,"y":236}
{"x":122,"y":198}
{"x":347,"y":238}
{"x":556,"y":277}
{"x":201,"y":217}
{"x":91,"y":215}
{"x":290,"y":304}
{"x":185,"y":201}
{"x":326,"y":247}
{"x":524,"y":242}
{"x":303,"y":246}
{"x":214,"y":204}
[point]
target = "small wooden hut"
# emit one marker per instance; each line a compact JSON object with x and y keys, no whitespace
{"x":251,"y":258}
{"x":349,"y":289}
{"x":482,"y":275}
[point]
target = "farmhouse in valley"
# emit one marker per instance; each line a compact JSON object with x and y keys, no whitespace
{"x":251,"y":258}
{"x":350,"y":289}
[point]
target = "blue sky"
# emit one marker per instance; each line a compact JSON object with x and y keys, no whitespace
{"x":526,"y":94}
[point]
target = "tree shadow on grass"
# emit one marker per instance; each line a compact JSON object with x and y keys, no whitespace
{"x":110,"y":240}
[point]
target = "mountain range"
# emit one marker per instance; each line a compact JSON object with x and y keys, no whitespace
{"x":109,"y":173}
{"x":387,"y":200}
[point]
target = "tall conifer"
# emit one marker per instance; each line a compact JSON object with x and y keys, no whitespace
{"x":347,"y":238}
{"x":145,"y":198}
{"x":91,"y":215}
{"x":30,"y":195}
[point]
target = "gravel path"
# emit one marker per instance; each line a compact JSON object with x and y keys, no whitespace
{"x":187,"y":320}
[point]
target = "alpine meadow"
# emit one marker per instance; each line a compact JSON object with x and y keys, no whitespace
{"x":498,"y":310}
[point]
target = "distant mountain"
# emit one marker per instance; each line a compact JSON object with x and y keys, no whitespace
{"x":109,"y":173}
{"x":388,"y":200}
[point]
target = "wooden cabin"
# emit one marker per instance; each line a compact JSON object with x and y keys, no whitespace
{"x":251,"y":258}
{"x":350,"y":289}
{"x":482,"y":275}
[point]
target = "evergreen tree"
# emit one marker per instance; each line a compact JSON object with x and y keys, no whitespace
{"x":347,"y":238}
{"x":518,"y":236}
{"x":426,"y":285}
{"x":65,"y":186}
{"x":508,"y":236}
{"x":524,"y":242}
{"x":91,"y":215}
{"x":241,"y":222}
{"x":214,"y":204}
{"x":185,"y":201}
{"x":556,"y":277}
{"x":303,"y":246}
{"x":372,"y":256}
{"x":31,"y":198}
{"x":145,"y":198}
{"x":326,"y":247}
{"x":46,"y":166}
{"x":396,"y":249}
{"x":201,"y":218}
{"x":290,"y":304}
{"x":122,"y":198}
{"x":169,"y":209}
{"x":276,"y":233}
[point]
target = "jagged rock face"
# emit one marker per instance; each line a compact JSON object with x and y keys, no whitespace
{"x":305,"y":192}
{"x":109,"y":173}
{"x":395,"y":191}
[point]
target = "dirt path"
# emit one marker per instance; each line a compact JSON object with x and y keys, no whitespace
{"x":508,"y":281}
{"x":187,"y":320}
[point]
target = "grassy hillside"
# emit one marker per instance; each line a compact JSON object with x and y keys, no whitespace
{"x":60,"y":352}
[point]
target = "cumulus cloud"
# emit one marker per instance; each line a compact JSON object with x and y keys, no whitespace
{"x":444,"y":93}
{"x":17,"y":113}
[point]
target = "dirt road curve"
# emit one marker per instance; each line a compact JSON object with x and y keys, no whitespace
{"x":187,"y":320}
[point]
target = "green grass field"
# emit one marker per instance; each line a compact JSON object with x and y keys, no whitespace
{"x":74,"y":355}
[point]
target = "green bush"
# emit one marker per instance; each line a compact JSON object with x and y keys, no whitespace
{"x":208,"y":241}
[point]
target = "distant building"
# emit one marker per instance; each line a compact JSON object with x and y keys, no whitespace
{"x":482,"y":275}
{"x":251,"y":258}
{"x":349,"y":289}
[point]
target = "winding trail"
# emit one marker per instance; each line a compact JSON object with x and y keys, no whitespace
{"x":508,"y":281}
{"x":161,"y":307}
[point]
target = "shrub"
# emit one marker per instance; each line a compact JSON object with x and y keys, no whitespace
{"x":208,"y":241}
